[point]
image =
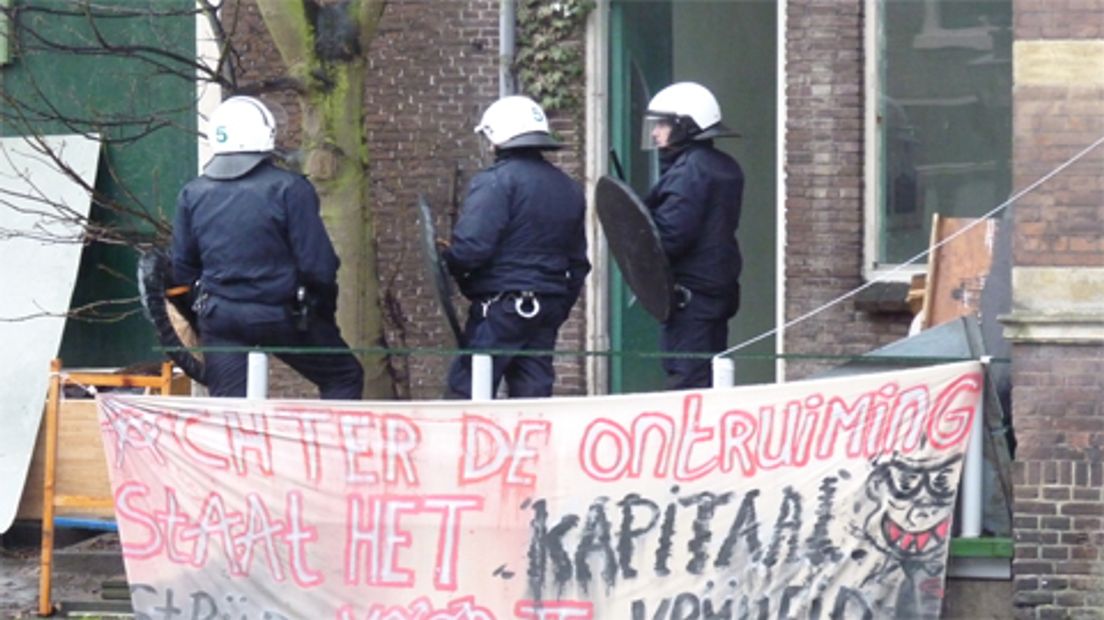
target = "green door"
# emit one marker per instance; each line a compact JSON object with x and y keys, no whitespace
{"x":731,"y":48}
{"x":640,"y":64}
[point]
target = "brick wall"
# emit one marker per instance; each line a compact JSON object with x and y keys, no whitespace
{"x":433,"y":69}
{"x":434,"y":66}
{"x":1058,"y":378}
{"x":1058,"y":19}
{"x":824,"y":190}
{"x":1060,"y":224}
{"x":1059,"y":481}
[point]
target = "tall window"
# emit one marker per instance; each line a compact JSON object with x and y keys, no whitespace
{"x":942,"y":130}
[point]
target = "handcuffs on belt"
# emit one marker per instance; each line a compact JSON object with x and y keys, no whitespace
{"x":683,"y":296}
{"x":200,"y":299}
{"x":520,"y":301}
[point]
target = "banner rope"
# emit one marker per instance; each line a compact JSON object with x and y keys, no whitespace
{"x":67,"y":380}
{"x":884,"y":276}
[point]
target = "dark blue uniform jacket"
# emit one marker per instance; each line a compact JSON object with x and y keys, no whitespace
{"x":696,"y":207}
{"x":521,"y":228}
{"x":255,"y":238}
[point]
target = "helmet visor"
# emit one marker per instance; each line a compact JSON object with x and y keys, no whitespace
{"x":224,"y":166}
{"x":655,"y":132}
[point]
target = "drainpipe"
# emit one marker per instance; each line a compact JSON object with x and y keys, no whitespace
{"x":5,"y":32}
{"x":971,"y":504}
{"x":507,"y":19}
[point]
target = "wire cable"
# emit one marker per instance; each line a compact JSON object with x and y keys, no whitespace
{"x":883,"y":276}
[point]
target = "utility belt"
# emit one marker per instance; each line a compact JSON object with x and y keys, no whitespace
{"x":526,"y":303}
{"x":303,"y":308}
{"x":681,"y":297}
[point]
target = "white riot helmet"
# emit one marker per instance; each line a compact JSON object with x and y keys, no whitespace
{"x":690,"y":108}
{"x":516,"y":122}
{"x":242,"y":133}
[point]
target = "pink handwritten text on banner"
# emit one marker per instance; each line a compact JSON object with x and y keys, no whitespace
{"x":802,"y":499}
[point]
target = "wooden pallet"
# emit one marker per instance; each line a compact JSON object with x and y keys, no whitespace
{"x":56,"y":501}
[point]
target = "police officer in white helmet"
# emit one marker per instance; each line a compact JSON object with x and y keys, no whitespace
{"x":249,"y":237}
{"x":696,"y":208}
{"x":518,"y":251}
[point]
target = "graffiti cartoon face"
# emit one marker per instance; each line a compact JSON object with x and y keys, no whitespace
{"x":916,"y":504}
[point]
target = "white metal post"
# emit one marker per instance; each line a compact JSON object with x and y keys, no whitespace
{"x":256,"y":383}
{"x":724,"y":372}
{"x":481,"y":377}
{"x":971,"y":506}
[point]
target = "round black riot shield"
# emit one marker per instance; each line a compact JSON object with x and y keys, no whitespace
{"x":153,"y":267}
{"x":437,"y":271}
{"x":634,"y":243}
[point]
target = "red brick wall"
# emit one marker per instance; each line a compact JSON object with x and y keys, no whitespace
{"x":824,"y":190}
{"x":1060,"y":223}
{"x":1058,"y":541}
{"x":1059,"y":19}
{"x":1058,"y":408}
{"x":433,"y":68}
{"x":1058,"y":514}
{"x":1059,"y":398}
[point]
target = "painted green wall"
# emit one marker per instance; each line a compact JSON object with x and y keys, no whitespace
{"x":640,"y":65}
{"x":730,"y":47}
{"x":146,"y":109}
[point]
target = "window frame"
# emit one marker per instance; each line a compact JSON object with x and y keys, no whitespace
{"x":874,"y":158}
{"x":5,"y":34}
{"x":875,"y":164}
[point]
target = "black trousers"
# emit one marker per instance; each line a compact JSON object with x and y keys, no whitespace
{"x":527,"y":376}
{"x":700,"y":326}
{"x":226,"y":323}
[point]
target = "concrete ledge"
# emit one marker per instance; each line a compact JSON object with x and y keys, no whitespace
{"x":1056,"y":304}
{"x":1058,"y":62}
{"x":1059,"y":329}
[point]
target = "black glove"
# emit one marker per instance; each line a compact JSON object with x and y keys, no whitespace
{"x":314,"y":302}
{"x":325,"y":299}
{"x":184,"y":298}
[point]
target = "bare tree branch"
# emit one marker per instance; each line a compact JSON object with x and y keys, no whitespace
{"x":104,"y":311}
{"x":323,"y":45}
{"x":124,"y":214}
{"x":228,"y":57}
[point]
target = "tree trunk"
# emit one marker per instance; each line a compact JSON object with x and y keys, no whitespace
{"x":331,"y":101}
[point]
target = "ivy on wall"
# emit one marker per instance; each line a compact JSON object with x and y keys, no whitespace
{"x":548,"y":58}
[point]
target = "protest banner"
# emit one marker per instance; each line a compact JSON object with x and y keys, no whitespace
{"x":828,"y":498}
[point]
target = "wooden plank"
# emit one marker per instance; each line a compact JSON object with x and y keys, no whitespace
{"x":83,"y":502}
{"x":933,"y":269}
{"x":106,"y":380}
{"x":957,"y":269}
{"x":49,"y":431}
{"x":81,"y":466}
